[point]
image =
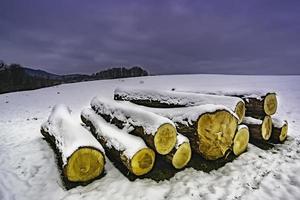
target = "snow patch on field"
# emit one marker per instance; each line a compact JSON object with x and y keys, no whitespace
{"x":27,"y":163}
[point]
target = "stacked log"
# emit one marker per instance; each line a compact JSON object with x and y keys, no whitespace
{"x":158,"y":132}
{"x":279,"y":130}
{"x":80,"y":156}
{"x":210,"y":128}
{"x":181,"y":154}
{"x":241,"y":140}
{"x":121,"y":147}
{"x":168,"y":99}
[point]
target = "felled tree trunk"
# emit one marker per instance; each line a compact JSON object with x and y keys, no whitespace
{"x":158,"y":132}
{"x":241,"y":140}
{"x":260,"y":131}
{"x":279,"y":130}
{"x":181,"y":153}
{"x":122,"y":148}
{"x":168,"y":99}
{"x":80,"y":156}
{"x":210,"y":128}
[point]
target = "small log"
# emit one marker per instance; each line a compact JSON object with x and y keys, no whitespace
{"x":172,"y":99}
{"x":80,"y":156}
{"x":121,"y":147}
{"x":279,"y":130}
{"x":260,"y":131}
{"x":158,"y":132}
{"x":241,"y":140}
{"x":210,"y":128}
{"x":181,"y":153}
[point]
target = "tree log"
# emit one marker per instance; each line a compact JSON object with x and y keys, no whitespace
{"x":260,"y":131}
{"x":241,"y":140}
{"x":279,"y":130}
{"x":168,"y":99}
{"x":121,"y":147}
{"x":210,"y":128}
{"x":80,"y":156}
{"x":181,"y":153}
{"x":158,"y":132}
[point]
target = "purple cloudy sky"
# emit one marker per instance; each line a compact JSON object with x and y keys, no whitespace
{"x":163,"y":36}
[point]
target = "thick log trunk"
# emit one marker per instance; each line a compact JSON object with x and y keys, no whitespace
{"x":120,"y":147}
{"x":80,"y":156}
{"x":158,"y":132}
{"x":167,"y":99}
{"x":260,"y":131}
{"x":181,"y":153}
{"x":210,"y":128}
{"x":279,"y":130}
{"x":241,"y":140}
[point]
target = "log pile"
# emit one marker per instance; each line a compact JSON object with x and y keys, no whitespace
{"x":155,"y":134}
{"x":79,"y":156}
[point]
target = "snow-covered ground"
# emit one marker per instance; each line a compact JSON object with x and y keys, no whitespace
{"x":28,"y":169}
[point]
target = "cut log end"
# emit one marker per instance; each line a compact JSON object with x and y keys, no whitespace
{"x":165,"y":139}
{"x":216,"y":131}
{"x":143,"y":161}
{"x":266,"y":128}
{"x":241,"y":141}
{"x":270,"y":104}
{"x":283,"y":133}
{"x":182,"y":156}
{"x":84,"y":164}
{"x":240,"y":111}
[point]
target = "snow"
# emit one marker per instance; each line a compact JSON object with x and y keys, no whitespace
{"x":251,"y":120}
{"x":69,"y":134}
{"x":176,"y":98}
{"x":241,"y":126}
{"x":28,"y":169}
{"x":187,"y":115}
{"x":277,"y":121}
{"x":131,"y":114}
{"x":180,"y":140}
{"x":121,"y":140}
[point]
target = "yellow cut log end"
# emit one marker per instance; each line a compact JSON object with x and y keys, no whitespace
{"x":270,"y":104}
{"x":266,"y":128}
{"x":84,"y":164}
{"x":142,"y":162}
{"x":241,"y":140}
{"x":216,"y":131}
{"x":240,"y":111}
{"x":165,"y":139}
{"x":182,"y":156}
{"x":283,"y":133}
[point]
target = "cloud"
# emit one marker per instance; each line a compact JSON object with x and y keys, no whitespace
{"x":167,"y":37}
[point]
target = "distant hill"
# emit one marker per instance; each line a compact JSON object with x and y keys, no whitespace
{"x":14,"y":77}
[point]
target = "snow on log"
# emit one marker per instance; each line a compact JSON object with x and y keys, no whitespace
{"x":260,"y":130}
{"x":279,"y":130}
{"x":170,"y":99}
{"x":79,"y":153}
{"x":181,"y":153}
{"x":241,"y":140}
{"x":158,"y":132}
{"x":121,"y":147}
{"x":210,"y":128}
{"x":258,"y":103}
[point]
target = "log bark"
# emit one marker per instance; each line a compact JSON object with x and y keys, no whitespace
{"x":168,"y":99}
{"x":79,"y":156}
{"x":120,"y":147}
{"x":158,"y":132}
{"x":279,"y":130}
{"x":209,"y":128}
{"x":260,"y":131}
